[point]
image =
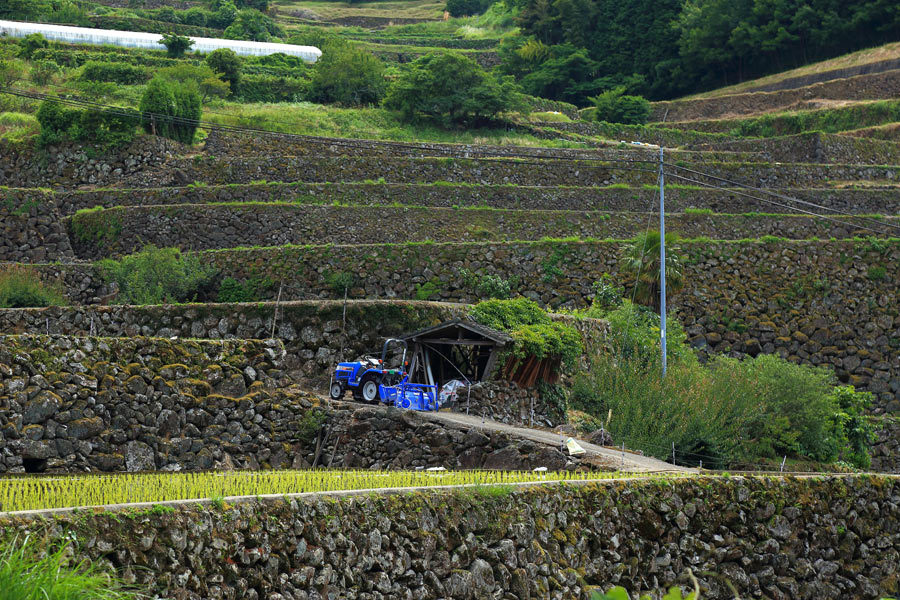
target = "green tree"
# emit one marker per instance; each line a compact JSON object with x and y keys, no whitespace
{"x":348,"y":75}
{"x":614,"y":106}
{"x":171,"y":109}
{"x":30,"y":43}
{"x":227,"y":64}
{"x":176,"y":45}
{"x":452,"y":89}
{"x":252,"y":25}
{"x":641,"y":260}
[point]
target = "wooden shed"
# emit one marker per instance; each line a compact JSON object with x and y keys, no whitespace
{"x":457,"y":349}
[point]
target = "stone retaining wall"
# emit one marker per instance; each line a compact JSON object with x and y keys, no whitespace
{"x":71,"y":404}
{"x":823,"y":303}
{"x":32,"y":231}
{"x":878,"y":86}
{"x":315,"y":334}
{"x":74,"y":165}
{"x":111,"y":404}
{"x":818,"y":148}
{"x":224,"y":144}
{"x":886,"y":450}
{"x":215,"y":171}
{"x":101,"y":233}
{"x":637,"y":199}
{"x":822,"y":537}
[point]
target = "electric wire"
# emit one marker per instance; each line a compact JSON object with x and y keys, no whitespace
{"x":772,"y":202}
{"x":775,"y":194}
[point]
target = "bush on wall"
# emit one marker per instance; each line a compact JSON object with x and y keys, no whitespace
{"x":21,"y":287}
{"x":171,"y":109}
{"x":99,"y":127}
{"x":158,"y":276}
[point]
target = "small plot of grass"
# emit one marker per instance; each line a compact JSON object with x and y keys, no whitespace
{"x":17,"y":127}
{"x":369,"y":123}
{"x":402,"y":9}
{"x":36,"y":493}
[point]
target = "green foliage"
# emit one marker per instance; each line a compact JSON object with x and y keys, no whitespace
{"x":227,"y":64}
{"x":641,"y":260}
{"x":173,"y":109}
{"x":607,"y":295}
{"x":467,"y":8}
{"x":176,"y":45}
{"x":613,"y":106}
{"x":158,"y":275}
{"x":729,"y":411}
{"x":252,"y":25}
{"x":30,"y":43}
{"x":21,"y":287}
{"x":620,"y":593}
{"x":101,"y":128}
{"x":250,"y":290}
{"x":17,"y":127}
{"x":424,"y":291}
{"x":487,"y":286}
{"x":349,"y":76}
{"x":451,"y":89}
{"x":530,"y":326}
{"x":115,"y":72}
{"x":273,"y":88}
{"x":876,"y":273}
{"x":29,"y":570}
{"x":44,"y":71}
{"x":340,"y":282}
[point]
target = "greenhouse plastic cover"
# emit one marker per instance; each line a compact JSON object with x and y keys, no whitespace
{"x":137,"y":39}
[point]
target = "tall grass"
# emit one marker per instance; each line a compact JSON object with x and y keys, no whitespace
{"x":30,"y":572}
{"x":21,"y":287}
{"x":16,"y":126}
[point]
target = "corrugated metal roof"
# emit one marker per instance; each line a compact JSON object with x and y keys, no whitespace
{"x":492,"y":334}
{"x":139,"y":39}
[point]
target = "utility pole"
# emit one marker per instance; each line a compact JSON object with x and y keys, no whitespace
{"x":662,"y":260}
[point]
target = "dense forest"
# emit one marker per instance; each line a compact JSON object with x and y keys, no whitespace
{"x":573,"y":49}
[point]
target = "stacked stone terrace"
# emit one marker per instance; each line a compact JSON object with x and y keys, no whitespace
{"x":413,"y":221}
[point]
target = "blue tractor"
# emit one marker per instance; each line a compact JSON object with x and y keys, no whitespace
{"x":371,"y":382}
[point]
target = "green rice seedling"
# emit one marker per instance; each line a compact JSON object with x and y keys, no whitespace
{"x":19,"y":493}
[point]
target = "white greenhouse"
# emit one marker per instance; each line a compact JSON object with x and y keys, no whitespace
{"x":137,"y":39}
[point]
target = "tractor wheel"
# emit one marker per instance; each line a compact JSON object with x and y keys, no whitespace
{"x":337,"y":390}
{"x":369,"y":390}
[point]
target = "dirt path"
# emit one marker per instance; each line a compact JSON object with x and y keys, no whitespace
{"x":626,"y":461}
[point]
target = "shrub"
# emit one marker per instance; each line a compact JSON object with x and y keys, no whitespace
{"x":17,"y":127}
{"x":31,"y":571}
{"x":251,"y":290}
{"x":195,"y":16}
{"x":450,"y":88}
{"x":487,"y":286}
{"x":21,"y":287}
{"x":613,"y":106}
{"x":115,"y":72}
{"x":101,"y":128}
{"x":534,"y":333}
{"x":223,"y":14}
{"x":30,"y":43}
{"x":252,"y":25}
{"x":43,"y":71}
{"x":467,"y":8}
{"x":271,"y":88}
{"x":225,"y":62}
{"x":348,"y":75}
{"x":159,"y":275}
{"x":727,"y":412}
{"x":171,"y":109}
{"x":176,"y":45}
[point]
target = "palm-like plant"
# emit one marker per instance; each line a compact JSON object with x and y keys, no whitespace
{"x":641,"y":260}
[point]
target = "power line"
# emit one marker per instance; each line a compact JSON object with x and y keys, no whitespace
{"x":777,"y":195}
{"x":772,"y":202}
